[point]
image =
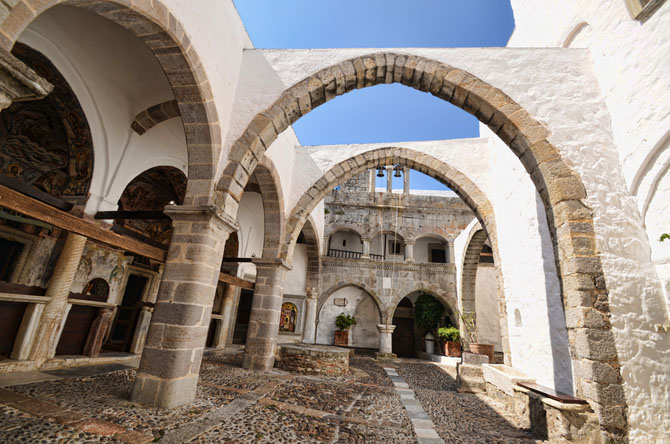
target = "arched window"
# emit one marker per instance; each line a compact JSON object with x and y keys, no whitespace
{"x":97,"y":289}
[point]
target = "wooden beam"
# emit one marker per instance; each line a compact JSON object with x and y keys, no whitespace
{"x":137,"y":215}
{"x":237,"y":282}
{"x":40,"y":195}
{"x":30,"y":207}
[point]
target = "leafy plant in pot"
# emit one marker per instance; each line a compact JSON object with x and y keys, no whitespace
{"x":451,"y":339}
{"x":427,"y":312}
{"x":343,"y":322}
{"x":470,"y":325}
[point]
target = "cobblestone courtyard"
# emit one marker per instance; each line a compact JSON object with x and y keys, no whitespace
{"x":408,"y":402}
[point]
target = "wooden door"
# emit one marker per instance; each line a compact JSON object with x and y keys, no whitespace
{"x":126,"y":314}
{"x":243,"y":315}
{"x":403,"y":337}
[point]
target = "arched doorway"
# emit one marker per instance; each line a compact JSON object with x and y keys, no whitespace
{"x":403,"y":335}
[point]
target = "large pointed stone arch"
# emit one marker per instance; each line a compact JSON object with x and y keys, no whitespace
{"x":153,"y":23}
{"x":592,"y":345}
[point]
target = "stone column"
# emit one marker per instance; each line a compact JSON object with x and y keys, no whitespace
{"x":372,"y":181}
{"x":259,"y":352}
{"x":389,"y":179}
{"x":405,"y":178}
{"x":450,"y":252}
{"x":170,"y":364}
{"x":26,"y":335}
{"x":309,"y":329}
{"x":366,"y":248}
{"x":97,"y":332}
{"x":385,"y":341}
{"x":141,"y":330}
{"x":54,"y":313}
{"x":409,"y":251}
{"x":221,"y":337}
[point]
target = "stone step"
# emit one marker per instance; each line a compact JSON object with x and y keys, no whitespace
{"x":471,"y":370}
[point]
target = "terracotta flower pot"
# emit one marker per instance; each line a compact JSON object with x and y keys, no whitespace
{"x":341,"y":338}
{"x":452,"y":348}
{"x":483,"y":349}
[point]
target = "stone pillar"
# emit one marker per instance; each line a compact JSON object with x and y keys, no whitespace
{"x":26,"y":335}
{"x":372,"y":181}
{"x":58,"y":290}
{"x":409,"y":251}
{"x":366,"y":248}
{"x":223,"y":327}
{"x":141,"y":330}
{"x":450,"y":252}
{"x":389,"y":179}
{"x":96,"y":334}
{"x":170,"y":364}
{"x":259,"y":352}
{"x":385,"y":341}
{"x":405,"y":177}
{"x":309,"y":329}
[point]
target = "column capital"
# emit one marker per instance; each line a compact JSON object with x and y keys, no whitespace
{"x":271,"y":263}
{"x":385,"y":328}
{"x":200,"y":212}
{"x":410,"y":241}
{"x":312,"y":293}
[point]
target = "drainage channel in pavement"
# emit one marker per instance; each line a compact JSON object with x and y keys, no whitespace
{"x":423,"y":425}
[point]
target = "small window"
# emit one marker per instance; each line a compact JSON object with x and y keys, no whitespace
{"x":395,"y":247}
{"x":344,"y":242}
{"x":643,"y":9}
{"x":438,"y":256}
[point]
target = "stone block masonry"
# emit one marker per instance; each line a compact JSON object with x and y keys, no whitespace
{"x":314,"y":359}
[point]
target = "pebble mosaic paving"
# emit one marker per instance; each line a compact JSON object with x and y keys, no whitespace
{"x":406,"y":402}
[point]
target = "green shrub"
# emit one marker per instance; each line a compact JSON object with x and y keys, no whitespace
{"x":449,"y":334}
{"x":428,"y":311}
{"x":344,"y":321}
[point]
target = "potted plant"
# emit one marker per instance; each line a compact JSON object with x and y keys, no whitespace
{"x":451,"y":338}
{"x":427,"y":313}
{"x":470,"y":326}
{"x":343,"y":322}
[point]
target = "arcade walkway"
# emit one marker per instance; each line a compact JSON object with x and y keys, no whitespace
{"x":234,"y":405}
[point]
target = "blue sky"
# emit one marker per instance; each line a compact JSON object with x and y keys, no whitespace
{"x":383,"y":113}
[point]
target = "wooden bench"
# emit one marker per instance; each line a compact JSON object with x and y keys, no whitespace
{"x":551,"y":393}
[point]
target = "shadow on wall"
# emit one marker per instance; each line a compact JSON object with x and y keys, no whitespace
{"x":558,"y":334}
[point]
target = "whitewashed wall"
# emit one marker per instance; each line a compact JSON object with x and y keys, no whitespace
{"x":630,"y":62}
{"x":486,"y":306}
{"x":360,"y":305}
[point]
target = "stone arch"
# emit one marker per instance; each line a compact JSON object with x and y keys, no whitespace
{"x":273,"y":206}
{"x":560,"y":188}
{"x":418,"y":161}
{"x":313,"y":256}
{"x":432,"y":232}
{"x":476,"y":239}
{"x":323,"y":297}
{"x":386,"y":229}
{"x":152,"y":23}
{"x":338,"y":228}
{"x":432,"y":290}
{"x":154,"y":115}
